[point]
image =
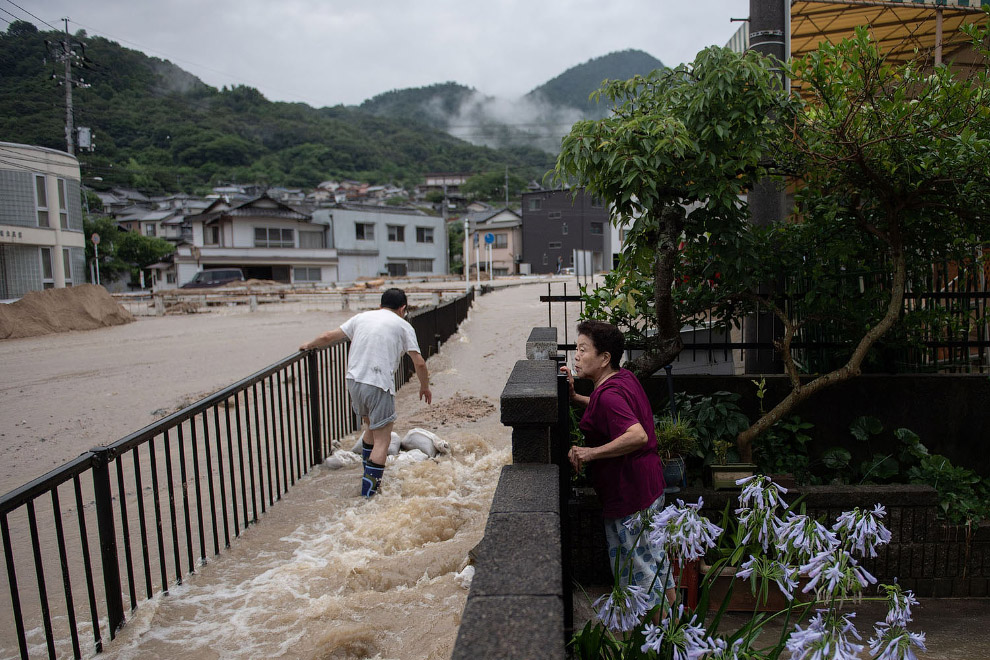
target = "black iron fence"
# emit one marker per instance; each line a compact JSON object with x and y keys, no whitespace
{"x":122,"y":523}
{"x":953,"y":338}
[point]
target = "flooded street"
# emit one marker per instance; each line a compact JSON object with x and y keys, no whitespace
{"x":327,"y":574}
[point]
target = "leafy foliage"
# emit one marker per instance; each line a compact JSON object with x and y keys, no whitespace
{"x":121,"y":251}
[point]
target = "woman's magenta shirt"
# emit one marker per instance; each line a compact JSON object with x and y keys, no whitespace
{"x":630,"y":483}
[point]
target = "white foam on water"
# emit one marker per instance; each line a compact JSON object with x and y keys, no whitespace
{"x":360,"y":579}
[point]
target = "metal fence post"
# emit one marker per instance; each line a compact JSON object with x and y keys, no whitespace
{"x":108,"y":537}
{"x":314,"y":408}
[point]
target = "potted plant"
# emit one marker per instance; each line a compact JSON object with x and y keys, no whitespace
{"x":722,"y":473}
{"x":676,"y":438}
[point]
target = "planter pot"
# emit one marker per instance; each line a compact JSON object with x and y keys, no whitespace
{"x":725,"y":476}
{"x":742,"y":598}
{"x":674,"y":474}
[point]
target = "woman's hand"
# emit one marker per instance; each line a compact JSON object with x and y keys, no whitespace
{"x":570,"y":381}
{"x":578,"y":456}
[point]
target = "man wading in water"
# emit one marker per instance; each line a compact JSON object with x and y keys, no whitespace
{"x":378,"y":340}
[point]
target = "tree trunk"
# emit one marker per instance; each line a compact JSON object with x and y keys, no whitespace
{"x":801,"y":392}
{"x":666,"y":344}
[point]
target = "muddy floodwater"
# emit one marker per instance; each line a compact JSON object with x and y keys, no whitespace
{"x":324,"y":573}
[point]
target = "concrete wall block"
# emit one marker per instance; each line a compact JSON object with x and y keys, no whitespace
{"x":542,"y":344}
{"x":519,"y":556}
{"x":530,"y":394}
{"x":527,"y":488}
{"x":511,"y":627}
{"x":530,"y":444}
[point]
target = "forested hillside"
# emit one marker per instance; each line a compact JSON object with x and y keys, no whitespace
{"x":157,"y":127}
{"x":573,"y":87}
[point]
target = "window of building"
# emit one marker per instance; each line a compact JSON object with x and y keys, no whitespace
{"x":63,"y":206}
{"x":305,"y":274}
{"x":597,"y":202}
{"x":500,"y":272}
{"x":420,"y":265}
{"x":544,"y":258}
{"x":274,"y":237}
{"x":424,"y":234}
{"x":563,"y":229}
{"x":67,"y":266}
{"x":553,"y":215}
{"x":501,"y":241}
{"x":364,"y":231}
{"x":47,"y":270}
{"x":149,"y":229}
{"x":553,"y":245}
{"x":211,"y":235}
{"x":534,"y":204}
{"x":597,"y":228}
{"x":396,"y":269}
{"x":170,"y":278}
{"x":41,"y":200}
{"x":313,"y":240}
{"x":396,"y":233}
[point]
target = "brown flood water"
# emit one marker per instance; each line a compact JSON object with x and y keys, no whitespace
{"x":326,"y":574}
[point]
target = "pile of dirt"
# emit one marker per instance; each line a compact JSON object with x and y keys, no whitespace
{"x":458,"y":408}
{"x":82,"y":307}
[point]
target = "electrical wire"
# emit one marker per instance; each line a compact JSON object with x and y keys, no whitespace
{"x":33,"y":16}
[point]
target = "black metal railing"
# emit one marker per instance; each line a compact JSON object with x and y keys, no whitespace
{"x":122,"y":523}
{"x":956,"y":340}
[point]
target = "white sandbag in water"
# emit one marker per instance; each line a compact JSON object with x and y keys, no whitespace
{"x":465,"y":577}
{"x":425,"y":441}
{"x":342,"y":458}
{"x":408,"y":457}
{"x":393,"y":445}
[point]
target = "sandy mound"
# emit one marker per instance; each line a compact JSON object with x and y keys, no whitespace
{"x":82,"y":307}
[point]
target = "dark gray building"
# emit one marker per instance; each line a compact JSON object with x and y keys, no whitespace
{"x":557,"y":226}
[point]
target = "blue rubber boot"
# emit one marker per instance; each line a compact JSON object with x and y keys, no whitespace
{"x":372,"y":478}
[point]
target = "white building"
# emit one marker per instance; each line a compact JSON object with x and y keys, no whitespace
{"x":376,"y":240}
{"x":41,"y":223}
{"x":266,"y":239}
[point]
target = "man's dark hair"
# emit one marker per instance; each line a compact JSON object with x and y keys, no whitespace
{"x":394,"y":299}
{"x":605,"y":337}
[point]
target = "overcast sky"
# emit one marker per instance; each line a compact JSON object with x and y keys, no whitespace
{"x":328,"y":52}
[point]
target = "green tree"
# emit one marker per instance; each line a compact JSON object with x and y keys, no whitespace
{"x":122,"y":251}
{"x":885,"y":156}
{"x":692,"y":137}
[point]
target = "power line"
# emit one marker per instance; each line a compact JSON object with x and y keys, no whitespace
{"x":201,"y":66}
{"x":33,"y":16}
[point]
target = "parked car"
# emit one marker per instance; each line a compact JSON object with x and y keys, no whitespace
{"x":212,"y":277}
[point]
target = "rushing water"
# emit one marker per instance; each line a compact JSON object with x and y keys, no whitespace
{"x":327,"y":574}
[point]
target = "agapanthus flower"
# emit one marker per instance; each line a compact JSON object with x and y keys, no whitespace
{"x":764,"y":568}
{"x":895,"y":643}
{"x":687,"y":639}
{"x":722,"y":651}
{"x":623,"y":609}
{"x":681,"y":529}
{"x":760,"y":492}
{"x":862,"y":530}
{"x":899,"y":605}
{"x":802,"y":537}
{"x":825,"y":638}
{"x":758,"y":525}
{"x":835,"y":574}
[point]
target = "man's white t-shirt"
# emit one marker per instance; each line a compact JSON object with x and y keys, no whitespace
{"x":379,"y":339}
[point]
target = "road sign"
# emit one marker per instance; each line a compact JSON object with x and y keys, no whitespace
{"x":489,"y":238}
{"x":95,"y":238}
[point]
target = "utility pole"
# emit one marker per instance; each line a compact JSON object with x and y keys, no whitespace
{"x":67,"y":56}
{"x":506,"y":186}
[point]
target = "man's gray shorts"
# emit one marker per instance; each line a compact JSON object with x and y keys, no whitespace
{"x":372,"y":402}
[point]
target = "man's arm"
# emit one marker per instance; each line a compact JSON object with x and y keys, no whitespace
{"x":325,"y":339}
{"x":423,"y":374}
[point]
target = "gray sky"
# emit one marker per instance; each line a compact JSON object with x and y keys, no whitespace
{"x":328,"y":52}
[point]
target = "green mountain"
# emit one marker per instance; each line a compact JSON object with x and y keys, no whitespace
{"x":573,"y":87}
{"x":156,"y":127}
{"x":433,"y":105}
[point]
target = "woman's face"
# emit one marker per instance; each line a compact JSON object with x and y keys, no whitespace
{"x":588,"y":362}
